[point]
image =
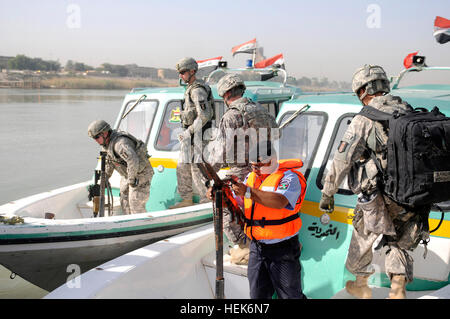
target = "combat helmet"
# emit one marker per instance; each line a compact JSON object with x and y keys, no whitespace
{"x":186,"y":64}
{"x":373,"y":78}
{"x":98,"y":127}
{"x":228,"y":82}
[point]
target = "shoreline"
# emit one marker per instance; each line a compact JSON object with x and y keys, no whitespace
{"x":74,"y":82}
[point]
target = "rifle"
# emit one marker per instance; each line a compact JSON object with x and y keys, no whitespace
{"x":220,"y":188}
{"x":225,"y":185}
{"x":96,"y":192}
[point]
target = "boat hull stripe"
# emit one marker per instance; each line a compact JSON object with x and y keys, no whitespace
{"x":40,"y":240}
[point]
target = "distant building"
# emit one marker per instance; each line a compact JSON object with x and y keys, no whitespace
{"x":4,"y":61}
{"x":161,"y":74}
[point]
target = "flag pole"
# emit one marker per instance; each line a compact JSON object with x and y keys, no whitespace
{"x":254,"y":54}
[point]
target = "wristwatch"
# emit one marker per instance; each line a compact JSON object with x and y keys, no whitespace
{"x":248,"y":193}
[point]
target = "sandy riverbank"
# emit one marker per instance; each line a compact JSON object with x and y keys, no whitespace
{"x":80,"y":82}
{"x":103,"y":83}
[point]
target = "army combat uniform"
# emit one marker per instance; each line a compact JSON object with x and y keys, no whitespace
{"x":242,"y":114}
{"x":375,"y":213}
{"x":129,"y":157}
{"x":196,"y":118}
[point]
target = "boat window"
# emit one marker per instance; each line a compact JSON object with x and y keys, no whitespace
{"x":170,"y":128}
{"x":341,"y":126}
{"x":171,"y":125}
{"x":139,"y":121}
{"x":270,"y":107}
{"x":301,"y":137}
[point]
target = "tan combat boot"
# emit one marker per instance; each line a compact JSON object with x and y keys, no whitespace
{"x":398,"y":287}
{"x":183,"y":203}
{"x":239,"y":254}
{"x":359,"y":287}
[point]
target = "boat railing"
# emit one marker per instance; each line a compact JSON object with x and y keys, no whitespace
{"x":273,"y":91}
{"x":266,"y":73}
{"x":396,"y":79}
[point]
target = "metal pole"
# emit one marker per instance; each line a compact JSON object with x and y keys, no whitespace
{"x":218,"y":229}
{"x":102,"y":184}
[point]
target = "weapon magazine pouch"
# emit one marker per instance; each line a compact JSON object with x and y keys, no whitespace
{"x":376,"y":216}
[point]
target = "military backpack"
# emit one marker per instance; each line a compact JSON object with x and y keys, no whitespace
{"x":417,"y":153}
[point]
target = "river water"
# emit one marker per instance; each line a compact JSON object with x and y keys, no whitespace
{"x":44,"y":145}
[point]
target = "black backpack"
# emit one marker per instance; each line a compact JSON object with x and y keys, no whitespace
{"x":418,"y":155}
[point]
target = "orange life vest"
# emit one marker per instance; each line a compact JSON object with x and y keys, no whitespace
{"x":270,"y":223}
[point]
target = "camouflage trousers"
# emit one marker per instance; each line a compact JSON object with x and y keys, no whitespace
{"x":233,"y":231}
{"x":189,"y":178}
{"x":402,"y":231}
{"x":134,"y":199}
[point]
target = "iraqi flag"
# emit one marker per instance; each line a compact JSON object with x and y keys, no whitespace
{"x":441,"y":30}
{"x":277,"y":59}
{"x":247,"y":47}
{"x":408,"y":61}
{"x":209,"y":62}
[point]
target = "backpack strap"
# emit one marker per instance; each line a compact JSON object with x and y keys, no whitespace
{"x":379,"y":116}
{"x":208,"y":91}
{"x":375,"y":114}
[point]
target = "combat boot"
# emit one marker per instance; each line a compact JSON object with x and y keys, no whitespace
{"x":359,"y":287}
{"x":240,"y":254}
{"x":183,"y":203}
{"x":398,"y":287}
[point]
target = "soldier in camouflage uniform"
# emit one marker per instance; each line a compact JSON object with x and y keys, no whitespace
{"x":242,"y":118}
{"x":129,"y":157}
{"x":196,"y":118}
{"x":375,"y":214}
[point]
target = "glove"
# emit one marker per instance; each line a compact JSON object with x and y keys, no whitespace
{"x":184,"y":136}
{"x":326,"y":203}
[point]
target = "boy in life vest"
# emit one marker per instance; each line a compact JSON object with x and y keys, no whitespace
{"x":272,"y":195}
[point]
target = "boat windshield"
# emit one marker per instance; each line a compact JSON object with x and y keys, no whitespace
{"x":426,"y":76}
{"x":170,"y":128}
{"x":171,"y":125}
{"x":140,"y":119}
{"x":301,"y":137}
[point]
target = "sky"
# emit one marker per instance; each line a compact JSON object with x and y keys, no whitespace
{"x":321,"y":38}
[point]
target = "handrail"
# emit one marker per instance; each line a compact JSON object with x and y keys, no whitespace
{"x":271,"y":69}
{"x":415,"y":69}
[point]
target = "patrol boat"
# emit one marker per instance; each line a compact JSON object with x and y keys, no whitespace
{"x":184,"y":266}
{"x":50,"y":237}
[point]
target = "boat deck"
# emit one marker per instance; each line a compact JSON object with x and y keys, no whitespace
{"x":383,"y":293}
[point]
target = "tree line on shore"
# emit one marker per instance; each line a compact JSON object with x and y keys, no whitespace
{"x":22,"y":62}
